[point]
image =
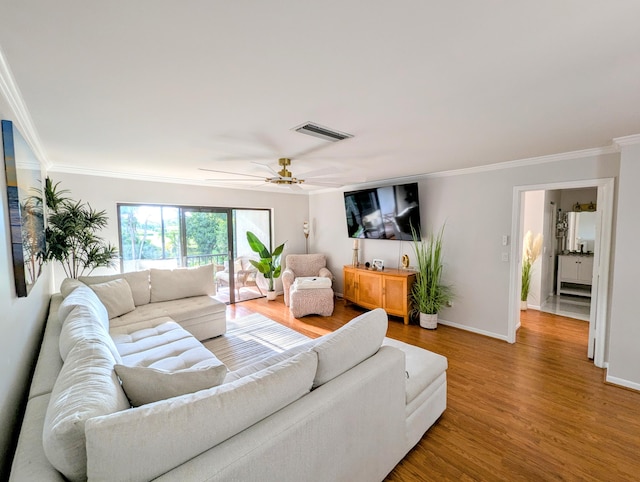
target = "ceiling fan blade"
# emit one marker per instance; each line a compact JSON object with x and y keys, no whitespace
{"x":236,"y":180}
{"x":311,"y":150}
{"x":267,"y":167}
{"x":319,"y":172}
{"x":233,"y":173}
{"x":311,"y":182}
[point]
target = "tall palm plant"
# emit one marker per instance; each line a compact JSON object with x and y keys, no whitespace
{"x":71,"y":233}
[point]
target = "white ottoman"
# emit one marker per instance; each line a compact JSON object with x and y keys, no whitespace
{"x":317,"y":301}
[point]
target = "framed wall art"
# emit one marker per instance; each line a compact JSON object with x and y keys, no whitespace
{"x":26,"y":214}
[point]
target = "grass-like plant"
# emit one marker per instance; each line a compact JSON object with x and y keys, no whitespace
{"x":428,"y":293}
{"x":269,"y":264}
{"x":530,"y":251}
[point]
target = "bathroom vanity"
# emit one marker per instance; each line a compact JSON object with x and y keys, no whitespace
{"x":575,"y":274}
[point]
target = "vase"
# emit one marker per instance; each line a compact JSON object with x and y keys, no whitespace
{"x":271,"y":295}
{"x":429,"y":321}
{"x":523,"y":305}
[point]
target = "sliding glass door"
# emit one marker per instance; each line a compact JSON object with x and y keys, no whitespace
{"x":174,"y":236}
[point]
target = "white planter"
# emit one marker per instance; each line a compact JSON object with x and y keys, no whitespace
{"x":271,"y":295}
{"x":430,"y":322}
{"x":523,"y":305}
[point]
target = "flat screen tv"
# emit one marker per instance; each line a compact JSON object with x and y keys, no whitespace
{"x":383,"y":212}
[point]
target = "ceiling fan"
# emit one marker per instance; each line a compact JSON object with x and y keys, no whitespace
{"x":284,"y":177}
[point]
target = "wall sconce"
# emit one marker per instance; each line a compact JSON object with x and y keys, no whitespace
{"x":305,"y":230}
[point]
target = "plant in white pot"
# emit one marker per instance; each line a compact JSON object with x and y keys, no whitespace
{"x":530,"y":251}
{"x":428,"y":293}
{"x":269,"y":264}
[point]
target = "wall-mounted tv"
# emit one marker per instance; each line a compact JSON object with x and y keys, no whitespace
{"x":383,"y":212}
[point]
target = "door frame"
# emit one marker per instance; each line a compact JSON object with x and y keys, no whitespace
{"x":601,"y":261}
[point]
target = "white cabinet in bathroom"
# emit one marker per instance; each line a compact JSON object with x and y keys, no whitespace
{"x":575,"y":274}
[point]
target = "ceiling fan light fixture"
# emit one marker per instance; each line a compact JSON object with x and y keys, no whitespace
{"x":321,"y":132}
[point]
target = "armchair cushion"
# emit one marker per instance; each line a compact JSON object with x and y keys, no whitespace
{"x":311,"y":282}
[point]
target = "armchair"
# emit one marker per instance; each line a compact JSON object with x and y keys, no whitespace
{"x":244,"y":274}
{"x":303,"y":265}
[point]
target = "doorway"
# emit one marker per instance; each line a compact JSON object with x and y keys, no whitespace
{"x":601,"y":257}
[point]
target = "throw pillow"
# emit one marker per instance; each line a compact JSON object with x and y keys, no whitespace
{"x":116,"y":296}
{"x":174,"y":284}
{"x":138,"y":282}
{"x":147,"y":385}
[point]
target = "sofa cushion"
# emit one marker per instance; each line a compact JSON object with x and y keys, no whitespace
{"x":173,"y":284}
{"x":349,"y":345}
{"x":84,"y":296}
{"x":138,"y":281}
{"x":83,"y":324}
{"x":68,"y":285}
{"x":161,"y":344}
{"x":116,"y":296}
{"x":147,"y":385}
{"x":146,"y":445}
{"x":86,"y":387}
{"x":423,"y":367}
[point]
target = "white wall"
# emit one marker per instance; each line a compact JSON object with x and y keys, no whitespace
{"x":21,"y":326}
{"x":533,"y":220}
{"x":624,"y":330}
{"x":289,"y":210}
{"x":476,"y":206}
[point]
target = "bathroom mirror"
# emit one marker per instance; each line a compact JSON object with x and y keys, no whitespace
{"x":581,"y":231}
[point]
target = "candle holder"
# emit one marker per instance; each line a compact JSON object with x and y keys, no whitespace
{"x":354,"y":258}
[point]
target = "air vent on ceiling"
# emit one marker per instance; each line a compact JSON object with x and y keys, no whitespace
{"x":321,"y":132}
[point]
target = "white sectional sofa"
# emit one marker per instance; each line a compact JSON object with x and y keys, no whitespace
{"x":346,"y":406}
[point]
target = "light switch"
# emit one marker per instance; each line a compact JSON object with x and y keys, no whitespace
{"x":505,"y":240}
{"x":505,"y":257}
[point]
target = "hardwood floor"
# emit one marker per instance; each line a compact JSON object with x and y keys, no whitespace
{"x":534,"y":410}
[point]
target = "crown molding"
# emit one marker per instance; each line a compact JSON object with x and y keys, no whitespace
{"x":619,"y":142}
{"x":531,"y":161}
{"x":9,"y":90}
{"x":170,"y":180}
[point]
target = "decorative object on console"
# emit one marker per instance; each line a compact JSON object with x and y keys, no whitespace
{"x":405,"y":261}
{"x":428,"y":293}
{"x":378,"y":264}
{"x":26,"y":216}
{"x":71,"y":234}
{"x":530,"y":252}
{"x":305,"y":230}
{"x":269,"y":264}
{"x":354,"y":257}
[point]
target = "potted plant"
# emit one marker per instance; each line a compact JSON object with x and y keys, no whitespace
{"x":428,"y":293}
{"x":530,"y":251}
{"x":71,"y":234}
{"x":269,"y":264}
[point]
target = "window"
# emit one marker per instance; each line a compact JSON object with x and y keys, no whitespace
{"x":154,"y":236}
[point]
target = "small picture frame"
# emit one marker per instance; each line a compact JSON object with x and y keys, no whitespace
{"x":378,"y":264}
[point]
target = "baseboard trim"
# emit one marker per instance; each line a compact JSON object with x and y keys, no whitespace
{"x":472,"y":329}
{"x":621,"y":382}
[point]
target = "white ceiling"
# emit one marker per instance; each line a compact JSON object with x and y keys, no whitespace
{"x":160,"y":88}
